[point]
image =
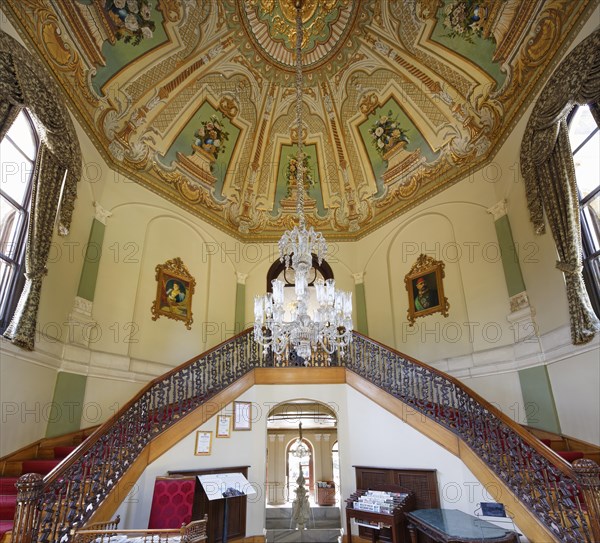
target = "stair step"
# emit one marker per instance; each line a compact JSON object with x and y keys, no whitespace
{"x":570,"y":456}
{"x":8,"y":505}
{"x":63,"y":452}
{"x":303,"y":536}
{"x":7,"y":485}
{"x":43,"y":467}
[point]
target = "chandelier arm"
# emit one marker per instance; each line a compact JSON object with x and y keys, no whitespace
{"x":299,"y":89}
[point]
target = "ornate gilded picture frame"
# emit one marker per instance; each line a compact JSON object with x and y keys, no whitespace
{"x":425,"y":287}
{"x":174,"y":291}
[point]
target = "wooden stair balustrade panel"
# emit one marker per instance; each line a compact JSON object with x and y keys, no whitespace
{"x":71,"y":493}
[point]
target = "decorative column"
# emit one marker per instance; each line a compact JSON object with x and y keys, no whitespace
{"x":240,"y":302}
{"x":318,"y":463}
{"x":280,"y":475}
{"x":521,"y":316}
{"x":327,"y":468}
{"x":271,"y":463}
{"x":69,"y":390}
{"x":535,"y":382}
{"x":360,"y":303}
{"x":82,"y":327}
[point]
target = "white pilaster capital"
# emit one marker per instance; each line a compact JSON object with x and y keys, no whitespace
{"x":241,"y":277}
{"x":100,"y":213}
{"x":318,"y":437}
{"x":499,"y":210}
{"x":280,"y":437}
{"x":272,"y":438}
{"x":326,"y":437}
{"x":359,"y":278}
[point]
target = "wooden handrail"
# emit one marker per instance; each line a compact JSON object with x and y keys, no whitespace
{"x":101,"y":430}
{"x":69,"y":495}
{"x":535,"y":443}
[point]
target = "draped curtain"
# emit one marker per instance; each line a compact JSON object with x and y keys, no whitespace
{"x":549,"y":173}
{"x":25,"y":84}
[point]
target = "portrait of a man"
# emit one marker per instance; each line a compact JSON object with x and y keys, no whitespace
{"x":426,"y":296}
{"x":425,"y":288}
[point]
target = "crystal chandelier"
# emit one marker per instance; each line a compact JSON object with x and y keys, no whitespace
{"x":299,"y":448}
{"x":298,"y":326}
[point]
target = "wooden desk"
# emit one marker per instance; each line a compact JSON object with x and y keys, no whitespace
{"x":453,"y":526}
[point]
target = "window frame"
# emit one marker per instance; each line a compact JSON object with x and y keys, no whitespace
{"x":588,"y":254}
{"x":17,"y":261}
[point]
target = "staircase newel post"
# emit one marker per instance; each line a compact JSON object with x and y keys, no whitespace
{"x":588,"y":477}
{"x":27,"y":515}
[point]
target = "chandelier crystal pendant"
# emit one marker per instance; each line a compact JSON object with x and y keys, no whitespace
{"x":302,"y":326}
{"x":299,"y":448}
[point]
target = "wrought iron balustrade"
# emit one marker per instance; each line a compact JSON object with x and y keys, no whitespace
{"x":550,"y":487}
{"x":49,"y":508}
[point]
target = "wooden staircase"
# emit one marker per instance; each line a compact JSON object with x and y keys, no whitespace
{"x":40,"y":457}
{"x":554,"y":500}
{"x":568,"y":448}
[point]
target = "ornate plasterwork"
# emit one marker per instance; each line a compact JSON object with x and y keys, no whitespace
{"x":235,"y":56}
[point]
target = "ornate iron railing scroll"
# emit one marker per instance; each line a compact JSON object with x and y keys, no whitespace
{"x":548,"y":486}
{"x":72,"y":492}
{"x":48,"y":510}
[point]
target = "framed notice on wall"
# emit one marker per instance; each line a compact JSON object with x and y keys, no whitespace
{"x":242,"y":416}
{"x":203,"y":443}
{"x":223,"y":425}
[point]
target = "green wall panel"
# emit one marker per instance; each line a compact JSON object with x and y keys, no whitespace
{"x":240,"y":307}
{"x":91,"y":263}
{"x":538,"y":400}
{"x":64,"y":415}
{"x":510,"y":257}
{"x":361,"y":309}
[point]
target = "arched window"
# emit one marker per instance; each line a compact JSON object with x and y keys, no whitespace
{"x":584,"y":136}
{"x":18,"y":152}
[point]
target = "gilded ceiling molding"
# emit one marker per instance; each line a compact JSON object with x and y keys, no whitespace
{"x":460,"y":83}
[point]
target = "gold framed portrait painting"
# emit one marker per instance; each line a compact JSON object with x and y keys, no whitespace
{"x":425,"y":287}
{"x":174,"y":290}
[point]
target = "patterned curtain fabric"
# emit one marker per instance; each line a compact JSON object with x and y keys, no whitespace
{"x":549,"y":173}
{"x":24,"y":83}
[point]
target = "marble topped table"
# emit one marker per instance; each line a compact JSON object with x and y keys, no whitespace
{"x":453,"y":526}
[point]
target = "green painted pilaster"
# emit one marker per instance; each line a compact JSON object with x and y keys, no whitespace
{"x":538,"y":400}
{"x":510,"y":257}
{"x":360,"y":302}
{"x":64,"y":415}
{"x":89,"y":271}
{"x":240,"y":302}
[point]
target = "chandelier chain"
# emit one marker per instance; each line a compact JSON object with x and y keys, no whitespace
{"x":315,"y":315}
{"x":299,"y":91}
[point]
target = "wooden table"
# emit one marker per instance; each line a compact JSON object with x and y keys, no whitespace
{"x":453,"y":526}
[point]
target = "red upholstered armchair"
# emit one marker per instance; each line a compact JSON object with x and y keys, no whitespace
{"x":172,"y":502}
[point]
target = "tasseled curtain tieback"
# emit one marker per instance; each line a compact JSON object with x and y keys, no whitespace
{"x":567,"y":267}
{"x":37,"y":275}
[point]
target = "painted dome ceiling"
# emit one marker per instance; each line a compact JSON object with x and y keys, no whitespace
{"x":194,"y":99}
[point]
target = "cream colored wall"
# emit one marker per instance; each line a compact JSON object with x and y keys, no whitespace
{"x":398,"y":446}
{"x":26,"y":390}
{"x":455,"y":228}
{"x":575,"y":383}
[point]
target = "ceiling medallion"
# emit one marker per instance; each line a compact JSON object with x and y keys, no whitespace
{"x":271,"y":26}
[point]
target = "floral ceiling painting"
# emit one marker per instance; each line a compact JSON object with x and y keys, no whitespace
{"x":195,"y":99}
